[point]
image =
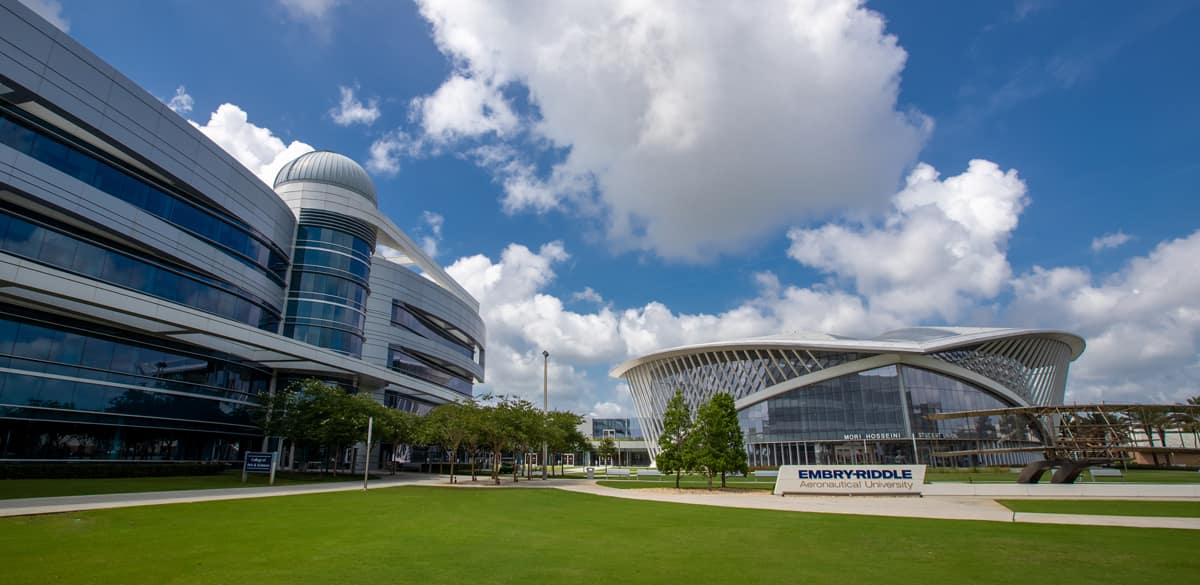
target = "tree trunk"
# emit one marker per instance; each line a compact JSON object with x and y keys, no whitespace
{"x":473,"y":454}
{"x":710,"y":476}
{"x":452,"y":468}
{"x":336,"y":455}
{"x":722,"y":479}
{"x":677,"y":474}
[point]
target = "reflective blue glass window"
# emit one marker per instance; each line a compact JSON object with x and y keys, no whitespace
{"x":429,"y":369}
{"x":208,"y":224}
{"x":58,"y":248}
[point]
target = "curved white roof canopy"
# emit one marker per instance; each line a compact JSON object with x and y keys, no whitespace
{"x":914,"y":340}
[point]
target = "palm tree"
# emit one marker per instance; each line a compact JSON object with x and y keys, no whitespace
{"x":1151,"y":420}
{"x":1189,"y":419}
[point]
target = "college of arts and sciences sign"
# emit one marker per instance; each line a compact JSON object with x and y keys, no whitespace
{"x":850,"y":479}
{"x":259,"y":462}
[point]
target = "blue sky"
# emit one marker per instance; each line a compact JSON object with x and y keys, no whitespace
{"x":612,"y":179}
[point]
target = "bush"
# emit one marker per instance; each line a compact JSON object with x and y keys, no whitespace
{"x":81,"y":469}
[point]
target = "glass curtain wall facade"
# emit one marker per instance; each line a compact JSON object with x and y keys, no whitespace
{"x":879,"y":416}
{"x":153,"y":289}
{"x":137,"y":397}
{"x":833,"y":399}
{"x":330,"y":278}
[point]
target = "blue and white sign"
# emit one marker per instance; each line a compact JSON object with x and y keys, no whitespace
{"x":850,"y":479}
{"x":260,"y":462}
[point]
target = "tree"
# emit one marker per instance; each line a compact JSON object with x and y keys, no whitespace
{"x":495,"y":431}
{"x":719,"y":447}
{"x":341,"y":418}
{"x":525,"y":427}
{"x":447,"y":426}
{"x":396,"y":427}
{"x":562,"y":432}
{"x":1151,"y":420}
{"x":315,"y":411}
{"x":674,"y":444}
{"x":471,"y":421}
{"x":606,"y":450}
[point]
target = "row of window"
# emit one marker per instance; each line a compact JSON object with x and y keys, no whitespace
{"x":393,"y":399}
{"x":870,"y":404}
{"x":325,"y":315}
{"x":326,"y":287}
{"x":18,"y":390}
{"x":324,"y":275}
{"x":338,"y":340}
{"x":35,"y":239}
{"x":54,"y":440}
{"x":324,"y":261}
{"x":424,"y":325}
{"x":66,"y":350}
{"x":322,"y":237}
{"x":228,"y":234}
{"x":427,"y":368}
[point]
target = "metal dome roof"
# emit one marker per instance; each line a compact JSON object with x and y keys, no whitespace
{"x":324,"y":166}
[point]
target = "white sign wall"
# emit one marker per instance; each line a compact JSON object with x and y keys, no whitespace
{"x":850,"y":479}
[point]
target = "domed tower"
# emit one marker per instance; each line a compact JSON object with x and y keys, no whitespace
{"x":331,"y":260}
{"x":362,"y":287}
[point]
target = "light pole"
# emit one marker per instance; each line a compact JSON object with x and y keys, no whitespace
{"x":545,"y":402}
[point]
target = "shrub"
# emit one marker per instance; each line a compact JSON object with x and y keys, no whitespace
{"x":82,"y":469}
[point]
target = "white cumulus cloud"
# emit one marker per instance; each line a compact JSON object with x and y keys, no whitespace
{"x":257,"y":148}
{"x":433,"y":223}
{"x":690,"y":131}
{"x":1109,"y":241}
{"x":1142,"y":323}
{"x":941,"y":247}
{"x":350,"y":110}
{"x":181,"y":103}
{"x":312,"y":10}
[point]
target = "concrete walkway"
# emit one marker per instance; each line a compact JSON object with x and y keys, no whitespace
{"x":30,"y":506}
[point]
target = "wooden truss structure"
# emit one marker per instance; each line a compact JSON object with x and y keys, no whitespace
{"x":1081,"y":435}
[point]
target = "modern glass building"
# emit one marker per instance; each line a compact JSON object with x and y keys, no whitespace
{"x":152,"y":290}
{"x":823,"y":398}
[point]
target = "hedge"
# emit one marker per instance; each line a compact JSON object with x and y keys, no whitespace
{"x":105,"y":469}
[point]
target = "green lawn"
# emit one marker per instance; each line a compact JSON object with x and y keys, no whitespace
{"x":992,"y":475}
{"x":687,"y":483}
{"x":1106,"y":507}
{"x":40,"y":488}
{"x":432,"y":535}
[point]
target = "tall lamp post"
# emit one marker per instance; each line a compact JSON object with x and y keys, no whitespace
{"x":545,"y":403}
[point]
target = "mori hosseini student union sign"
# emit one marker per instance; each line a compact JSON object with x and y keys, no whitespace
{"x":850,"y":479}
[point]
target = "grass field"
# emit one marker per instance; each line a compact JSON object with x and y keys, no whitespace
{"x":992,"y":475}
{"x":41,"y":488}
{"x":1106,"y":507}
{"x":498,"y":536}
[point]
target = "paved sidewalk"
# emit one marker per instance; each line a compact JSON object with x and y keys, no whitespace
{"x":29,"y":506}
{"x":938,"y":507}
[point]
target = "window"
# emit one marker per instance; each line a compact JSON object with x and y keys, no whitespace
{"x":205,"y":223}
